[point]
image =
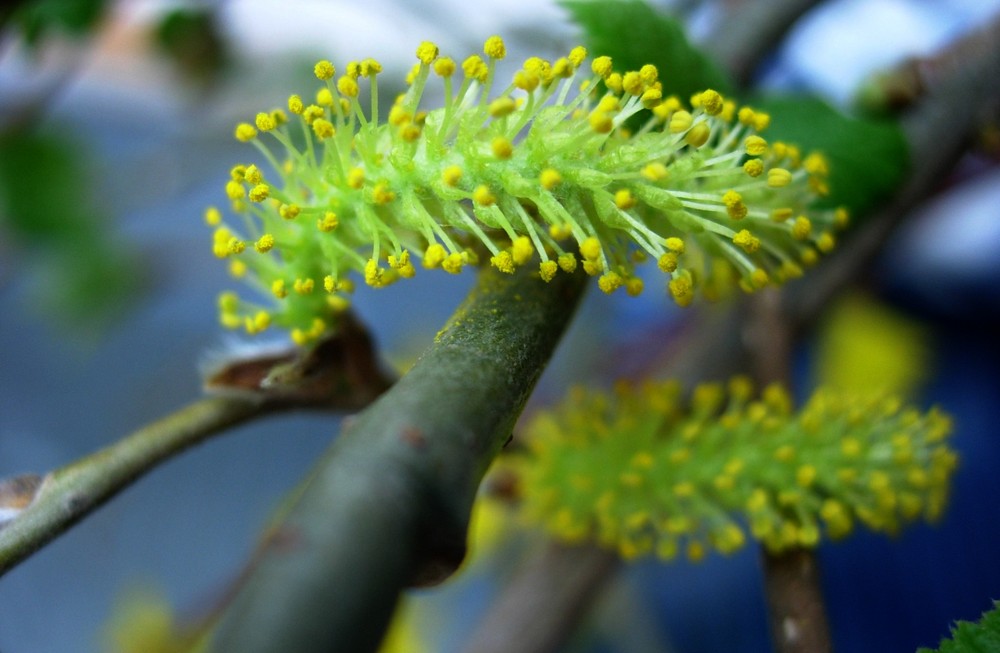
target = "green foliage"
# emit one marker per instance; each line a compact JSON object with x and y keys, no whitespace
{"x":44,"y":202}
{"x":190,"y":38}
{"x":868,"y":158}
{"x":968,"y":637}
{"x":39,"y":17}
{"x":634,"y":34}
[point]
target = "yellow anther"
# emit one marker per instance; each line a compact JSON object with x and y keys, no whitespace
{"x":711,"y":102}
{"x":547,"y":270}
{"x":252,"y":174}
{"x":503,"y":262}
{"x":698,"y":134}
{"x":841,"y":218}
{"x":427,"y":52}
{"x":567,"y":262}
{"x":304,"y":286}
{"x":323,"y":128}
{"x":434,"y":256}
{"x":759,"y":278}
{"x":680,"y":121}
{"x":475,"y":68}
{"x":602,"y":66}
{"x":549,"y":178}
{"x":590,"y":249}
{"x":755,"y":145}
{"x":753,"y":167}
{"x":370,"y":68}
{"x":667,"y":262}
{"x":801,"y":228}
{"x":451,"y":175}
{"x":526,"y":81}
{"x":632,"y":83}
{"x":494,"y":48}
{"x":502,"y":148}
{"x":382,"y":194}
{"x":502,"y":106}
{"x":825,"y":243}
{"x":522,"y":250}
{"x":747,"y":241}
{"x":213,"y":216}
{"x":624,"y":199}
{"x":444,"y":67}
{"x":328,"y":222}
{"x":610,"y":282}
{"x":577,"y":55}
{"x":324,"y":97}
{"x":295,"y":104}
{"x":453,"y":263}
{"x":278,"y":288}
{"x":601,"y":122}
{"x":735,"y":207}
{"x":245,"y":132}
{"x":264,"y":243}
{"x":651,"y":97}
{"x":347,"y":86}
{"x":311,"y":113}
{"x":778,"y":177}
{"x":374,"y":275}
{"x":816,"y":164}
{"x":356,"y":178}
{"x":655,"y":171}
{"x":482,"y":196}
{"x":675,"y":245}
{"x":265,"y":122}
{"x":324,"y":70}
{"x":259,"y":193}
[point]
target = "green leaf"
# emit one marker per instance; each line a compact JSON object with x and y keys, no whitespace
{"x":968,"y":637}
{"x":633,"y":34}
{"x":38,"y":17}
{"x":868,"y":158}
{"x":85,"y":278}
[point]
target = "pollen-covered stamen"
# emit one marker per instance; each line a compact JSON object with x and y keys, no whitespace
{"x":525,"y":172}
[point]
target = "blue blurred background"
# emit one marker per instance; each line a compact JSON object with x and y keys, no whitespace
{"x":90,"y":352}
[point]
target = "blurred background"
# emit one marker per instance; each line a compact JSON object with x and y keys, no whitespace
{"x":116,"y":123}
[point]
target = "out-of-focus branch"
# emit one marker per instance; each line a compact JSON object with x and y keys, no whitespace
{"x":339,"y":373}
{"x":749,"y":30}
{"x":961,"y":92}
{"x":388,"y":506}
{"x":545,"y":597}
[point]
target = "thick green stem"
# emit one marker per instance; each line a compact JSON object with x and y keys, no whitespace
{"x":388,"y":505}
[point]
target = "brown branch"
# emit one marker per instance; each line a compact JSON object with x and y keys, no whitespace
{"x":545,"y":597}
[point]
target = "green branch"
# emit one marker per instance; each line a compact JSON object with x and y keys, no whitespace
{"x":388,"y":505}
{"x":68,"y":494}
{"x":338,"y":373}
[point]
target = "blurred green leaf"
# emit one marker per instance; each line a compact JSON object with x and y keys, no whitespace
{"x":868,"y":158}
{"x":968,"y":637}
{"x":38,"y":17}
{"x":47,"y":207}
{"x":634,"y":34}
{"x":190,"y":38}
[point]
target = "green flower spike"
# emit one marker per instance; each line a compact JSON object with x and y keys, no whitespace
{"x":547,"y":170}
{"x":642,"y":471}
